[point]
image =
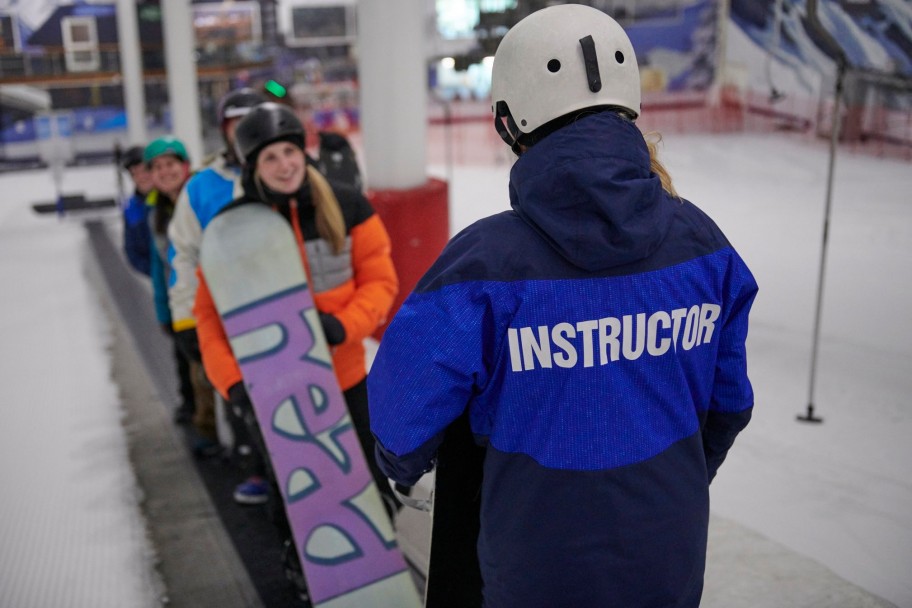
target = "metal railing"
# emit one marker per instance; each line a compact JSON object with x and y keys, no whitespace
{"x":50,"y":64}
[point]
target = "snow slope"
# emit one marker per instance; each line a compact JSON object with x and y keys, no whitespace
{"x":840,"y":492}
{"x":69,"y":518}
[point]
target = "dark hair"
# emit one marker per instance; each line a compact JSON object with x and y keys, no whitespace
{"x":131,"y":157}
{"x":164,"y":211}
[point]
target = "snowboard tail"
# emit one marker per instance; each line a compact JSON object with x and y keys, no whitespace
{"x":454,"y":576}
{"x":341,"y":530}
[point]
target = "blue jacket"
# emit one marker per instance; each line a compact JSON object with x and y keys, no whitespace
{"x":136,"y":233}
{"x":596,"y":335}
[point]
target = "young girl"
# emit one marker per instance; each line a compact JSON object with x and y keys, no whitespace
{"x":346,"y":253}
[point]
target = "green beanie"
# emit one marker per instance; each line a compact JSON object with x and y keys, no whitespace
{"x":165,"y":145}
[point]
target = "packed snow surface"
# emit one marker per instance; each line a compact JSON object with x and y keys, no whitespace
{"x":839,"y":492}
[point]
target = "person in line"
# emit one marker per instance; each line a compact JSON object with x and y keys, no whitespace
{"x":169,"y":165}
{"x":138,"y":249}
{"x":346,"y":251}
{"x":344,"y":246}
{"x":135,"y":225}
{"x":207,"y":191}
{"x":594,"y":334}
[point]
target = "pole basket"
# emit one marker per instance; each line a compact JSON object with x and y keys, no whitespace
{"x":809,"y":416}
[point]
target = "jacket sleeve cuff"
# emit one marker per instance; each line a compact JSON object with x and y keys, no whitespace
{"x":406,"y":470}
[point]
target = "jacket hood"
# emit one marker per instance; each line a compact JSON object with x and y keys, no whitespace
{"x":587,"y":189}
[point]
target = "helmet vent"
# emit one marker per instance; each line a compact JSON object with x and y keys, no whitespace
{"x":619,"y":56}
{"x":554,"y":66}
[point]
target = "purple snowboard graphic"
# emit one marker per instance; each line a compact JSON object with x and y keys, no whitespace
{"x":341,"y":530}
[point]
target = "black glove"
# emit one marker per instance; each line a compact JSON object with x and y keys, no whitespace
{"x":167,"y":329}
{"x":332,"y":327}
{"x":249,"y":447}
{"x":242,"y":408}
{"x":188,"y":344}
{"x":238,"y":397}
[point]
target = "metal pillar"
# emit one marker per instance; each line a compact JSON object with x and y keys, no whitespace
{"x":392,"y":75}
{"x":180,"y":59}
{"x":131,"y":69}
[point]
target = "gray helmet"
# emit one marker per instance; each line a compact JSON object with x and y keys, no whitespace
{"x":559,"y":60}
{"x":238,"y":103}
{"x":265,"y":124}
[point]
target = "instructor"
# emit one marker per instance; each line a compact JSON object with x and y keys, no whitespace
{"x":604,"y":416}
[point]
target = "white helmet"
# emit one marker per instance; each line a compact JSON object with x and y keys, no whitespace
{"x":557,"y":60}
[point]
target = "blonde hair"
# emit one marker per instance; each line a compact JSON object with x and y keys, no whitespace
{"x":653,"y":139}
{"x":330,"y":223}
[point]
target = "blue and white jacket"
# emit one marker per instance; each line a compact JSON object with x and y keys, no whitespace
{"x":202,"y":198}
{"x":596,"y":335}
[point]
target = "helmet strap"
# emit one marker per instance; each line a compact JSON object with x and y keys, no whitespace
{"x":506,"y":127}
{"x":530,"y":139}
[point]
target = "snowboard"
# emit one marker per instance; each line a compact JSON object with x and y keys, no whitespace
{"x":341,"y":530}
{"x":454,"y":577}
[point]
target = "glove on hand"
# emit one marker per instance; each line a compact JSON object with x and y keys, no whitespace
{"x":332,"y":327}
{"x":188,"y":344}
{"x":238,"y":397}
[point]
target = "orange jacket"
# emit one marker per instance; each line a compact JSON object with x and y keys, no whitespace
{"x":358,"y":292}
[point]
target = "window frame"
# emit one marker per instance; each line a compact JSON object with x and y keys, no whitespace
{"x":80,"y":56}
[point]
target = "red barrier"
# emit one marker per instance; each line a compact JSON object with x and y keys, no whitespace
{"x":418,"y":222}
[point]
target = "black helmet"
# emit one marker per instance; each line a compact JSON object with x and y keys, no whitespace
{"x":265,"y":124}
{"x":237,"y":103}
{"x":131,"y":157}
